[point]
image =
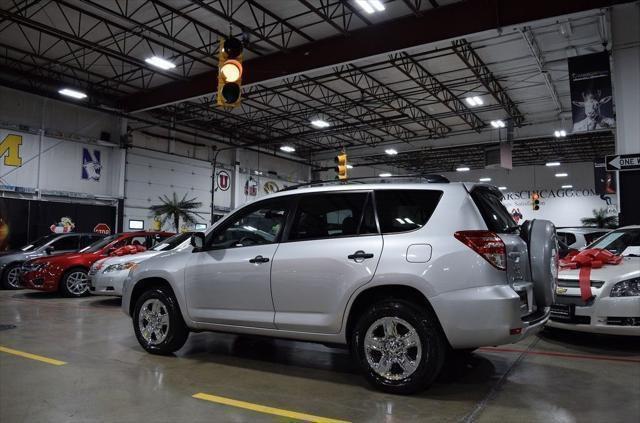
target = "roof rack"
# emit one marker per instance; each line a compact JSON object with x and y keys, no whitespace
{"x":431,"y":179}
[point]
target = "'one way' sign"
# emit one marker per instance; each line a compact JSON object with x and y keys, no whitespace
{"x":623,"y":162}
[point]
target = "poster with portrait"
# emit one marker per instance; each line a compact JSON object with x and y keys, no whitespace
{"x":591,"y":93}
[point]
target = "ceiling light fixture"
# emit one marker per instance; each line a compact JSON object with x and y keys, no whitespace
{"x":502,"y":188}
{"x":485,"y":179}
{"x":72,"y":93}
{"x":391,"y":151}
{"x":384,"y":175}
{"x":560,"y":133}
{"x":561,"y":175}
{"x":287,"y":149}
{"x":159,"y":62}
{"x":462,"y":169}
{"x":552,"y":164}
{"x":497,"y":123}
{"x":349,"y":166}
{"x":319,"y":123}
{"x":474,"y":101}
{"x":567,"y":186}
{"x":371,"y":6}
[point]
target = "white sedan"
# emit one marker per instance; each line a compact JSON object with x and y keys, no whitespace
{"x":614,"y":307}
{"x":106,"y":276}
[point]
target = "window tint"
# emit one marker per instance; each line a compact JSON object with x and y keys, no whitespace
{"x":405,"y":210}
{"x":332,"y":215}
{"x":258,"y":225}
{"x":88,"y":240}
{"x":494,"y":213}
{"x":65,"y":243}
{"x":566,"y":237}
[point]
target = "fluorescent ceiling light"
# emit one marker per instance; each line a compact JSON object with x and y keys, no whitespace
{"x":560,"y":133}
{"x":561,"y":175}
{"x":567,"y":186}
{"x":72,"y":93}
{"x":349,"y":166}
{"x":319,"y":123}
{"x":502,"y":188}
{"x":287,"y":149}
{"x":384,"y":175}
{"x":371,"y":6}
{"x":552,"y":164}
{"x":159,"y":62}
{"x":391,"y":151}
{"x":474,"y":101}
{"x":377,"y":4}
{"x":497,"y":123}
{"x":485,"y":179}
{"x":462,"y":169}
{"x":563,"y":133}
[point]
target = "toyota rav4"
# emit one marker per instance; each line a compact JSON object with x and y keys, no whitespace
{"x":402,"y":273}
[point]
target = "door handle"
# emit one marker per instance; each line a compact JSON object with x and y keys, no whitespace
{"x":359,"y":255}
{"x":259,"y":259}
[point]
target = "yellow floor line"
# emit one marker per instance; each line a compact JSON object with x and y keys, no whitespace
{"x":264,"y":409}
{"x":32,"y":356}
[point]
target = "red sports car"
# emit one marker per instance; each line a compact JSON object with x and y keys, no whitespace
{"x":67,"y":273}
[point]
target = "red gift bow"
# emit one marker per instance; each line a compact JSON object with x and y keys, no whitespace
{"x":129,"y":249}
{"x":585,"y":260}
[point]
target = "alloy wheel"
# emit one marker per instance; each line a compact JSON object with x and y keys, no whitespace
{"x":77,"y":283}
{"x":13,"y":277}
{"x":393,"y":348}
{"x":153,"y":321}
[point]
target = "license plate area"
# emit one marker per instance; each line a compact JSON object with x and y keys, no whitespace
{"x":563,"y":311}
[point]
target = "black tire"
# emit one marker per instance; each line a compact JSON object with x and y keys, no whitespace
{"x":432,"y":342}
{"x":10,"y":270}
{"x":66,"y":288}
{"x":177,"y":331}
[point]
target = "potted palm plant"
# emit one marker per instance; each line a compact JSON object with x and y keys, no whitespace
{"x":174,"y":209}
{"x":601,"y":219}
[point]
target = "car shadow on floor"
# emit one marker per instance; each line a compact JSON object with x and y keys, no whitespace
{"x":38,"y":295}
{"x":319,"y":362}
{"x":108,"y":302}
{"x":593,"y":343}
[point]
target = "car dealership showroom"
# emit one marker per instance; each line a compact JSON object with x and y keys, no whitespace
{"x":319,"y":211}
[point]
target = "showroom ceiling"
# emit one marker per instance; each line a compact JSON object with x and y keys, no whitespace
{"x":413,"y":100}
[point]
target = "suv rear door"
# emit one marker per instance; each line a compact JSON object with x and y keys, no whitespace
{"x":330,"y":249}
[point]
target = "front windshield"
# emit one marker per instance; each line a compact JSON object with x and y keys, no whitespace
{"x":38,"y":243}
{"x":98,"y":245}
{"x":172,"y":242}
{"x":621,"y":242}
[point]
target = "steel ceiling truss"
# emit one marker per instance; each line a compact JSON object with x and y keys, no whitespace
{"x":468,"y":55}
{"x":576,"y":148}
{"x":338,"y":14}
{"x":411,"y":68}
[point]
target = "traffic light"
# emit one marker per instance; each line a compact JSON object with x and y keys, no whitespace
{"x":535,"y":198}
{"x":229,"y":72}
{"x":341,"y":168}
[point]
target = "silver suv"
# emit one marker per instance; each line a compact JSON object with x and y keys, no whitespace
{"x":401,"y":273}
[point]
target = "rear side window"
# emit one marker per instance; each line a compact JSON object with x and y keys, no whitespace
{"x":65,"y":243}
{"x":593,"y":236}
{"x":567,"y":237}
{"x":333,"y":215}
{"x":494,"y":213}
{"x":405,"y":210}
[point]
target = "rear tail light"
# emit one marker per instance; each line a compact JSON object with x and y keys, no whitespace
{"x":487,"y":244}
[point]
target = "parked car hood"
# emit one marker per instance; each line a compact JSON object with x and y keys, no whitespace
{"x":627,"y":269}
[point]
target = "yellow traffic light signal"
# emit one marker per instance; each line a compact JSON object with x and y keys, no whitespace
{"x":341,"y":168}
{"x":229,"y":72}
{"x":535,"y":200}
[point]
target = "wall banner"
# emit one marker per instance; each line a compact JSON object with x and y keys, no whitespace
{"x":590,"y":83}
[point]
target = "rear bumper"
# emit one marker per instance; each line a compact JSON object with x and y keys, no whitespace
{"x":484,"y":316}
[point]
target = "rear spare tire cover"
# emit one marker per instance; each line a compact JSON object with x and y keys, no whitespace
{"x":543,"y":253}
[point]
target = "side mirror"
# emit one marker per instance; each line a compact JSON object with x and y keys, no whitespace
{"x":197,"y":241}
{"x":49,"y":250}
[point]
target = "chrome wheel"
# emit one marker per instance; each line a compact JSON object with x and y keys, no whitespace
{"x":77,"y":283}
{"x":13,"y":277}
{"x":393,"y":348}
{"x":153,"y":321}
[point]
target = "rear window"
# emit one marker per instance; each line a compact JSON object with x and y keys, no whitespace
{"x":405,"y":210}
{"x":494,"y":213}
{"x":567,"y":237}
